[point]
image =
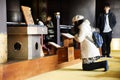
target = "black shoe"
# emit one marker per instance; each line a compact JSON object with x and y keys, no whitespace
{"x":102,"y":56}
{"x":109,"y":56}
{"x":106,"y":66}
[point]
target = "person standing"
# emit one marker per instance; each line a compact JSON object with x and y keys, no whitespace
{"x":49,"y":22}
{"x":106,"y":22}
{"x":51,"y":30}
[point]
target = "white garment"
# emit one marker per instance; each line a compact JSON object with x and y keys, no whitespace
{"x":88,"y":49}
{"x":107,"y":26}
{"x":41,"y":23}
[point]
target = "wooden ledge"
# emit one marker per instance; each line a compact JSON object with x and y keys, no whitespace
{"x":54,"y":44}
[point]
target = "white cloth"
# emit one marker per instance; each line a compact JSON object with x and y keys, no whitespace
{"x":88,"y":49}
{"x":41,"y":23}
{"x":107,"y":26}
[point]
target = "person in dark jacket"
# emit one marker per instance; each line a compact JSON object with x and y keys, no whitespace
{"x":106,"y":22}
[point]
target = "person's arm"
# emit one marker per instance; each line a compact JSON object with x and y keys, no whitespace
{"x":80,"y":36}
{"x":114,"y":20}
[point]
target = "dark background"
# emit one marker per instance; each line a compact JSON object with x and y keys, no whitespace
{"x":70,"y":8}
{"x":67,"y":8}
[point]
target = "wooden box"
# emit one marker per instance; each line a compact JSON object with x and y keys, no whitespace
{"x":67,"y":39}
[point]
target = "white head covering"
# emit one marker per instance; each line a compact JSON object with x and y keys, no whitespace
{"x":77,"y":18}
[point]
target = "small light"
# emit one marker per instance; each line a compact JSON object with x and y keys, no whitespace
{"x":57,"y":13}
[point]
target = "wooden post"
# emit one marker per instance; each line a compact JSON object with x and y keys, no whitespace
{"x":70,"y":53}
{"x":3,"y":32}
{"x":58,"y":28}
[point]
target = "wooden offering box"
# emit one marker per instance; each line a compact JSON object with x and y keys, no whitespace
{"x":24,"y":42}
{"x":67,"y":39}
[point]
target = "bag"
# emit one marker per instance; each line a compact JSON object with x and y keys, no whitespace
{"x":98,"y":40}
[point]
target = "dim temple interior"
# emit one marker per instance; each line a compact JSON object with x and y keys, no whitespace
{"x":36,"y":37}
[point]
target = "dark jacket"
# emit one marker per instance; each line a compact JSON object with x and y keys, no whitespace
{"x":101,"y":21}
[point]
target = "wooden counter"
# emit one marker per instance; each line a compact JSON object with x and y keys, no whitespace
{"x":24,"y":69}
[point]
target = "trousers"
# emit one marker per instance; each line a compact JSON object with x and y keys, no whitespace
{"x":95,"y":65}
{"x":107,"y":37}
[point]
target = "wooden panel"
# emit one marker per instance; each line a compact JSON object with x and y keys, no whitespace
{"x":53,"y":47}
{"x":12,"y":71}
{"x":27,"y":14}
{"x":1,"y":72}
{"x":62,"y":55}
{"x":25,"y":69}
{"x":67,"y":39}
{"x":77,"y":54}
{"x":70,"y":53}
{"x":27,"y":30}
{"x":67,"y":42}
{"x":65,"y":54}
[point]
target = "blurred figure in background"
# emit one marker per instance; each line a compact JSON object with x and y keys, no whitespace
{"x":106,"y":22}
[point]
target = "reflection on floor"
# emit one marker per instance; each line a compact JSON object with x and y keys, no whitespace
{"x":75,"y":72}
